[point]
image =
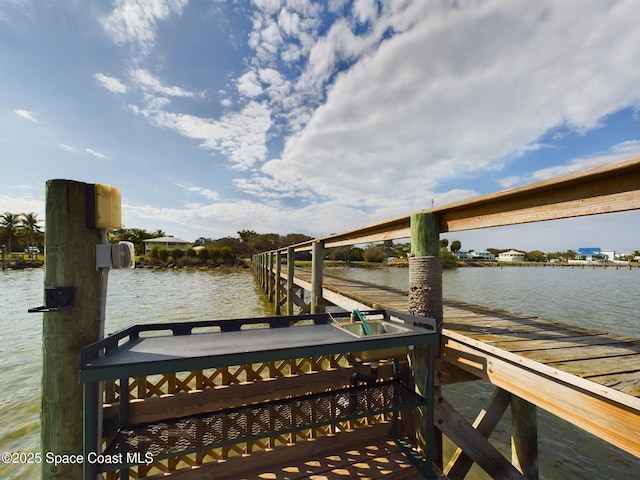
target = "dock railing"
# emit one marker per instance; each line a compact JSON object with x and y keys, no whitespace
{"x":609,"y":188}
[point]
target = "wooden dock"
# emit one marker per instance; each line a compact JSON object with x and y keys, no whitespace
{"x":587,"y":377}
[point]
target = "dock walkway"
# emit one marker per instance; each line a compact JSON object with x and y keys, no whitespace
{"x":587,"y":377}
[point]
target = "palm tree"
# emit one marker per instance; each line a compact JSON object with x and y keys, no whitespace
{"x":9,"y":225}
{"x":31,"y":227}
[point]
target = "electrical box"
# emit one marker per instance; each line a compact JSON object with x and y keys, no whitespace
{"x":103,"y":207}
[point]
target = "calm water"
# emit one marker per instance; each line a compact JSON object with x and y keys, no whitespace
{"x":604,"y":299}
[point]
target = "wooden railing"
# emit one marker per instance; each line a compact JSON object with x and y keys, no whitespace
{"x":614,"y":187}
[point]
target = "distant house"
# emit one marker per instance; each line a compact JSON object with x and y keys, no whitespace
{"x":462,"y":255}
{"x":168,"y":243}
{"x":593,"y":254}
{"x":513,"y":256}
{"x":589,"y":254}
{"x":481,"y":256}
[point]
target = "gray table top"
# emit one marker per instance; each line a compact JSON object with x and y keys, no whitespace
{"x":172,"y":353}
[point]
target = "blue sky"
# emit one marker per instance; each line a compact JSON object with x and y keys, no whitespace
{"x":318,"y":117}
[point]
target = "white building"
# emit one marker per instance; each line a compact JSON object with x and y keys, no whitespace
{"x":513,"y":256}
{"x":168,"y":243}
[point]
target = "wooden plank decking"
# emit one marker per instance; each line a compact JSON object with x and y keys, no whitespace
{"x":587,"y":377}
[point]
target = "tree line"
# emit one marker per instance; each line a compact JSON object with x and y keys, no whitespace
{"x":22,"y":232}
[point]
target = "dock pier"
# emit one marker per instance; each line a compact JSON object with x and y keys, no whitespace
{"x":192,"y":401}
{"x":586,"y":377}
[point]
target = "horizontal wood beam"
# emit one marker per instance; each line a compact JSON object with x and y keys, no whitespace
{"x":604,"y":189}
{"x":609,"y":188}
{"x":601,"y":411}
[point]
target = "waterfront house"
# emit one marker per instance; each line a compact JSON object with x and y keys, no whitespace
{"x":168,"y":243}
{"x":481,"y":256}
{"x":589,"y":254}
{"x":513,"y":256}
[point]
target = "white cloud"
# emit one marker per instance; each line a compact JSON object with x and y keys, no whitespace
{"x":24,"y":204}
{"x":618,"y":152}
{"x":66,"y":147}
{"x":240,"y":136}
{"x":205,"y":192}
{"x":96,"y":154}
{"x":145,"y":80}
{"x":457,"y":90}
{"x":365,"y":10}
{"x":249,"y":85}
{"x":135,"y":21}
{"x":382,"y":106}
{"x":110,"y":83}
{"x":27,"y":115}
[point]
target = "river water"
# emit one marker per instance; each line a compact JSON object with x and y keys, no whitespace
{"x":605,"y":299}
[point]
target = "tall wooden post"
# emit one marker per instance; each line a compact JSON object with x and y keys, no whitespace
{"x":317,"y":263}
{"x":277,"y":282}
{"x":70,"y":262}
{"x":425,"y":267}
{"x":264,"y":271}
{"x":291,"y":264}
{"x":425,"y":299}
{"x":524,"y":437}
{"x":270,"y":277}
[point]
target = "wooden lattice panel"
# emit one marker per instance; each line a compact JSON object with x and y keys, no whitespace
{"x":159,"y":385}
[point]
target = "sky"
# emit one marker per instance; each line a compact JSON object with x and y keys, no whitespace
{"x":293,"y":116}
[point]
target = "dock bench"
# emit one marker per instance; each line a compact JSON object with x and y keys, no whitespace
{"x":140,"y":350}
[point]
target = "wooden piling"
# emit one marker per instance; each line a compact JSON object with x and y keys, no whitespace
{"x":70,"y":262}
{"x":425,"y":299}
{"x":291,"y":263}
{"x":317,"y":264}
{"x":270,"y":278}
{"x":425,"y":268}
{"x":278,"y":292}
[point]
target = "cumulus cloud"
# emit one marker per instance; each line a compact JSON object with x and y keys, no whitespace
{"x":383,"y":103}
{"x":455,"y":90}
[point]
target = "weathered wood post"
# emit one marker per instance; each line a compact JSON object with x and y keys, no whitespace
{"x":278,"y":283}
{"x":425,"y":268}
{"x":425,"y":298}
{"x":524,"y":437}
{"x":70,"y":262}
{"x":317,"y":263}
{"x":270,"y":278}
{"x":291,"y":263}
{"x":263,"y":261}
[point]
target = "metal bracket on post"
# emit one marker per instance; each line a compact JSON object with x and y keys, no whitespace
{"x":56,"y":299}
